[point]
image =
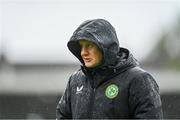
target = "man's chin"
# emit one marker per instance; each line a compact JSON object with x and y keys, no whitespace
{"x":89,"y":65}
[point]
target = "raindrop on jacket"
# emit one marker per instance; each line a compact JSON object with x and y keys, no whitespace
{"x":118,"y":88}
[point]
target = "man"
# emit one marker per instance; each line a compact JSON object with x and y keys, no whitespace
{"x":110,"y":84}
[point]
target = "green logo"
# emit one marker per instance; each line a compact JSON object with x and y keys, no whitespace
{"x":112,"y":91}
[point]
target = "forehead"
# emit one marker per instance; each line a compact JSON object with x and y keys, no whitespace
{"x":81,"y":42}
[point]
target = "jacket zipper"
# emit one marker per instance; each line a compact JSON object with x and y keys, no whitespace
{"x":92,"y":103}
{"x":92,"y":97}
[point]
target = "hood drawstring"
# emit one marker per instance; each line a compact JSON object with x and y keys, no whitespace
{"x":114,"y":70}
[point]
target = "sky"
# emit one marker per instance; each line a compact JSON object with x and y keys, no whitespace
{"x":37,"y":31}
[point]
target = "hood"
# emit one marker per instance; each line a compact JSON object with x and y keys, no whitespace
{"x":100,"y":32}
{"x":125,"y":61}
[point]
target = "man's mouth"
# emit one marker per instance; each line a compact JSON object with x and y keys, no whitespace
{"x":87,"y":59}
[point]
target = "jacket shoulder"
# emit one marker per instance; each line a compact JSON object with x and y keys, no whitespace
{"x":137,"y":71}
{"x":139,"y":75}
{"x":142,"y":78}
{"x":76,"y":77}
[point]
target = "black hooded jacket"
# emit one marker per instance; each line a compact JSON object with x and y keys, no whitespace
{"x":118,"y":88}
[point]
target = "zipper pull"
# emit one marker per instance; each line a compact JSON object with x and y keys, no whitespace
{"x":94,"y":89}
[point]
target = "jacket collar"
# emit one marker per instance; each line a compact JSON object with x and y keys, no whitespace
{"x":101,"y":74}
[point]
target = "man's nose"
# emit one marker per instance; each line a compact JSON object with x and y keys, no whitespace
{"x":84,"y":51}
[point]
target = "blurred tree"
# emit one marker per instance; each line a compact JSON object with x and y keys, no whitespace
{"x":167,"y":52}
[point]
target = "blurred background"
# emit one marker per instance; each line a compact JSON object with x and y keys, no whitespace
{"x":35,"y":63}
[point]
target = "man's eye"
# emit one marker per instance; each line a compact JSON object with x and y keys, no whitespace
{"x":89,"y":45}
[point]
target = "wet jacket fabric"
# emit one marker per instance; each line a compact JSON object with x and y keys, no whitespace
{"x":118,"y":88}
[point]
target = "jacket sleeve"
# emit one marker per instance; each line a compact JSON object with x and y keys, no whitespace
{"x":63,"y":110}
{"x":144,"y":98}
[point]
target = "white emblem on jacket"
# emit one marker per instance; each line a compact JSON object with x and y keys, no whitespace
{"x":79,"y":89}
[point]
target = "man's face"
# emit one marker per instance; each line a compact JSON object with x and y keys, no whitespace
{"x":90,"y":53}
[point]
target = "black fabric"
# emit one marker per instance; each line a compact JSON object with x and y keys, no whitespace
{"x":100,"y":32}
{"x":85,"y":95}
